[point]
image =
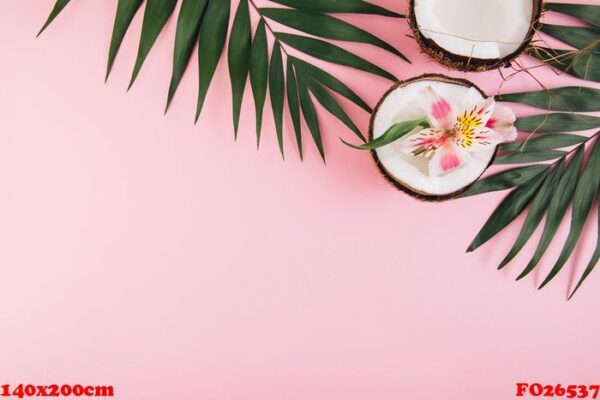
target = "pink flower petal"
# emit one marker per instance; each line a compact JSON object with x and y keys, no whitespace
{"x":440,"y":110}
{"x":448,"y":158}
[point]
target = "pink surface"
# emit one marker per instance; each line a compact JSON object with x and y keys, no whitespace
{"x":160,"y":257}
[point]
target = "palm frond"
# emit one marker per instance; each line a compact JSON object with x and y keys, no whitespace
{"x":205,"y":24}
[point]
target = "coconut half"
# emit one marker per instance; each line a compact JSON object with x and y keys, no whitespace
{"x":474,"y":35}
{"x":407,"y":172}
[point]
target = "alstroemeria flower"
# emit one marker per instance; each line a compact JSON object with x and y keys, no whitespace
{"x":457,"y":133}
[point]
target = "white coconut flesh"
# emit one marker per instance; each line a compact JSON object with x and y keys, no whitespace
{"x":485,"y":29}
{"x":407,"y":103}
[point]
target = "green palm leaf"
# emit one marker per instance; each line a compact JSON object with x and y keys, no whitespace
{"x":294,"y":104}
{"x":393,"y":133}
{"x":186,"y":37}
{"x":277,"y":92}
{"x":506,"y":180}
{"x":211,"y":42}
{"x":330,"y":81}
{"x":156,"y":15}
{"x":126,"y":10}
{"x":586,"y":12}
{"x":594,"y":260}
{"x":570,"y":98}
{"x":338,"y":6}
{"x":58,"y":7}
{"x":549,"y":141}
{"x":538,"y":208}
{"x":326,"y":27}
{"x":259,"y":73}
{"x":310,"y":115}
{"x":507,"y":211}
{"x":578,"y":37}
{"x":529,"y":157}
{"x":581,"y":64}
{"x":557,"y":122}
{"x":556,"y":210}
{"x":239,"y":58}
{"x":331,"y":105}
{"x":329,"y":52}
{"x":586,"y":190}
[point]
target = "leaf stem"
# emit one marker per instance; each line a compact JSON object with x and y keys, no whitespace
{"x":269,"y":28}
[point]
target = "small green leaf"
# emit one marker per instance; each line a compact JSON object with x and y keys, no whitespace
{"x":507,"y":211}
{"x":583,"y":199}
{"x":329,"y":52}
{"x":587,"y":12}
{"x":277,"y":91}
{"x":156,"y":15}
{"x":326,"y":26}
{"x":529,"y":157}
{"x":581,"y":64}
{"x":331,"y":105}
{"x":573,"y":99}
{"x":294,"y":104}
{"x":330,"y":81}
{"x":594,"y":260}
{"x":538,"y":208}
{"x":557,"y":122}
{"x":505,"y":180}
{"x":211,"y":41}
{"x":557,"y":209}
{"x":578,"y":37}
{"x":338,"y":6}
{"x":186,"y":37}
{"x":310,"y":115}
{"x":259,"y":73}
{"x":549,"y":141}
{"x":393,"y":133}
{"x":58,"y":7}
{"x":126,"y":10}
{"x":239,"y":58}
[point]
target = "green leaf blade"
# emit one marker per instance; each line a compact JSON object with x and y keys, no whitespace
{"x":576,"y":36}
{"x":57,"y":9}
{"x":294,"y":104}
{"x":557,"y":209}
{"x":581,"y":64}
{"x":505,"y":180}
{"x":331,"y":105}
{"x":392,"y":134}
{"x":583,"y":198}
{"x":571,"y":98}
{"x":550,"y":141}
{"x":186,"y":37}
{"x":538,"y":208}
{"x":310,"y":116}
{"x":331,"y":53}
{"x":339,"y":6}
{"x":126,"y":10}
{"x":593,"y":261}
{"x":586,"y":12}
{"x":507,"y":211}
{"x":330,"y":81}
{"x":156,"y":15}
{"x":529,"y":157}
{"x":211,"y":42}
{"x":327,"y":27}
{"x":277,"y":92}
{"x":557,"y":123}
{"x":239,"y":58}
{"x":259,"y":73}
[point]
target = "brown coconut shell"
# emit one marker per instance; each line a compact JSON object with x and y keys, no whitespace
{"x":402,"y":186}
{"x":471,"y":64}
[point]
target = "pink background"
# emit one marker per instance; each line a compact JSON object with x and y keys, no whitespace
{"x":141,"y":251}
